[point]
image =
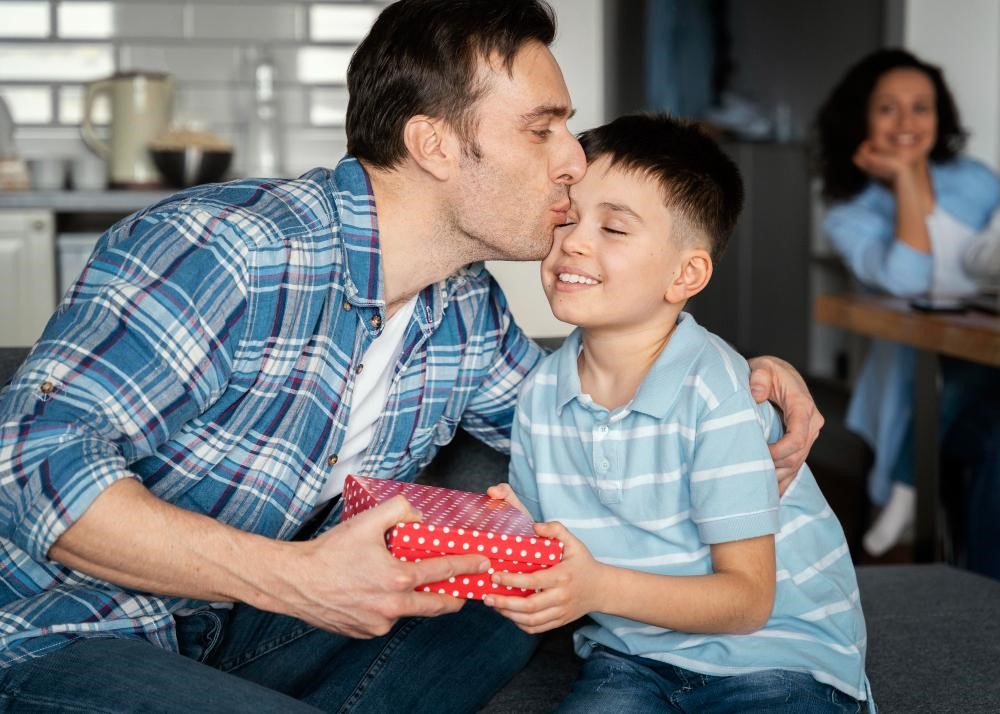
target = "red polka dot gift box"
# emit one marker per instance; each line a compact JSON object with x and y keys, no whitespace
{"x":457,"y":523}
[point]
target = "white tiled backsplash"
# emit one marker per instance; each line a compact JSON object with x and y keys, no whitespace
{"x":49,"y":50}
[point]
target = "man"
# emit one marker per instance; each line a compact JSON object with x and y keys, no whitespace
{"x":230,"y":354}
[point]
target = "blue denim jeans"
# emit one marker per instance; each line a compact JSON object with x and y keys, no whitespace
{"x":969,"y":428}
{"x":612,"y":682}
{"x":245,"y":660}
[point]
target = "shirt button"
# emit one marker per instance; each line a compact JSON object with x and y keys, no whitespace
{"x":376,"y":321}
{"x":47,"y":387}
{"x":332,"y":459}
{"x":359,"y":369}
{"x":605,"y":465}
{"x":603,"y":429}
{"x":347,"y":306}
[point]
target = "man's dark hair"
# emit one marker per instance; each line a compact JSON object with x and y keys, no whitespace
{"x":421,"y":57}
{"x":699,"y":183}
{"x":842,"y":121}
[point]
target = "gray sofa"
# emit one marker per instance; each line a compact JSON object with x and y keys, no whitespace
{"x":933,"y":630}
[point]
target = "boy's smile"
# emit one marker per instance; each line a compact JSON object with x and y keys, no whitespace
{"x":570,"y":277}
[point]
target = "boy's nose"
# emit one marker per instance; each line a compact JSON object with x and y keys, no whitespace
{"x":574,"y":241}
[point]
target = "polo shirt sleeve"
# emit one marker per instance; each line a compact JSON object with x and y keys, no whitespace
{"x":141,"y":344}
{"x":522,"y":458}
{"x":865,"y":239}
{"x":734,"y":491}
{"x":490,"y":410}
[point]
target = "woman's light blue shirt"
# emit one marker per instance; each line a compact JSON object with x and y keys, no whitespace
{"x":863,"y":232}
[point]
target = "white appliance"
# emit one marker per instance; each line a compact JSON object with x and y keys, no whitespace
{"x":74,"y":250}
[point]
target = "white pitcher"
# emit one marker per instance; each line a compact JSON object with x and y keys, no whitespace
{"x":142,"y":105}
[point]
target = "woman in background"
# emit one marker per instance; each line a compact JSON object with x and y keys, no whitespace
{"x":905,"y":206}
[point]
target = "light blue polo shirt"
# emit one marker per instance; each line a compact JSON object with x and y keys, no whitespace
{"x":649,"y":486}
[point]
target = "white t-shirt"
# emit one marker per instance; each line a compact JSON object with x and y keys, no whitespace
{"x":371,"y":389}
{"x":950,"y":240}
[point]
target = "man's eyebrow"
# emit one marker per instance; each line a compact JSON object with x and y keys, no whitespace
{"x":621,"y":208}
{"x":558,"y":111}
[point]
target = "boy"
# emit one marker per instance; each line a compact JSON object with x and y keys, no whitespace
{"x":640,"y":437}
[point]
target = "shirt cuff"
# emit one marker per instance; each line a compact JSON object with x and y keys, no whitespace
{"x":50,"y":513}
{"x":908,"y":269}
{"x":739,"y":527}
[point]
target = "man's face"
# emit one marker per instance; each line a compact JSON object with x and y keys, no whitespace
{"x":613,"y":261}
{"x":511,"y":198}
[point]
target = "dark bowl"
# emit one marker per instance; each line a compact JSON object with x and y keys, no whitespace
{"x":191,"y":166}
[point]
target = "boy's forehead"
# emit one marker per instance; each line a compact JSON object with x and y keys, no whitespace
{"x":614,"y":186}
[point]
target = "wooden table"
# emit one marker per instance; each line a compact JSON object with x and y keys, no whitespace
{"x":972,"y":336}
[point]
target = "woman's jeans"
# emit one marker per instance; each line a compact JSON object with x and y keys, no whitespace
{"x":612,"y":682}
{"x":245,"y":660}
{"x":970,"y":453}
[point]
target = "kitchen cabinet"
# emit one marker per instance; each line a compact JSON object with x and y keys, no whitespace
{"x":45,"y":239}
{"x":27,"y":275}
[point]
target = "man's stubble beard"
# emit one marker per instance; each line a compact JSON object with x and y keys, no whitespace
{"x":507,"y":236}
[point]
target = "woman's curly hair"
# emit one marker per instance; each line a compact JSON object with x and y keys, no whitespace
{"x":842,"y":121}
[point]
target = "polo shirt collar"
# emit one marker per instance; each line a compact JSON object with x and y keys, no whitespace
{"x":568,"y":380}
{"x":662,"y":384}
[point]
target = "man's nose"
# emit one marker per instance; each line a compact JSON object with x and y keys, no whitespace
{"x":572,"y":163}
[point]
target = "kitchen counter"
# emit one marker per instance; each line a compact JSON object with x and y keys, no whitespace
{"x":81,"y":201}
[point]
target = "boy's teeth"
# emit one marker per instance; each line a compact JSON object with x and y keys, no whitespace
{"x":572,"y":278}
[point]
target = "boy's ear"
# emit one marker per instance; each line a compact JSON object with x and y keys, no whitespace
{"x":430,"y":143}
{"x":694,"y":274}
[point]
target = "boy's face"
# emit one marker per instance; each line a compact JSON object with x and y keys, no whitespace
{"x":613,"y":262}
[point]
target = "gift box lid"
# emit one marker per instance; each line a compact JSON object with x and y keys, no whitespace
{"x":452,"y":520}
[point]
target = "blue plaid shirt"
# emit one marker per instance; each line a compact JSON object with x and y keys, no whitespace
{"x":209,"y":349}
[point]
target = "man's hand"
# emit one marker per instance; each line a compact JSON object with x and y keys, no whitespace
{"x":773,"y":379}
{"x":567,"y":591}
{"x":503,"y":492}
{"x":346,"y":581}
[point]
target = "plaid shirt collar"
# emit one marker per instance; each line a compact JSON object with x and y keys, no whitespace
{"x":354,"y":203}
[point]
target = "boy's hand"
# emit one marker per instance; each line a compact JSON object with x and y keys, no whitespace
{"x":773,"y":379}
{"x":567,"y":591}
{"x":503,"y":492}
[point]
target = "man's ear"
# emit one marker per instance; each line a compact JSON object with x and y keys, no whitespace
{"x":428,"y":141}
{"x":694,"y":274}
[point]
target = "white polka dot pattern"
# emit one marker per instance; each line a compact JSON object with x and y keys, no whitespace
{"x":457,"y":522}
